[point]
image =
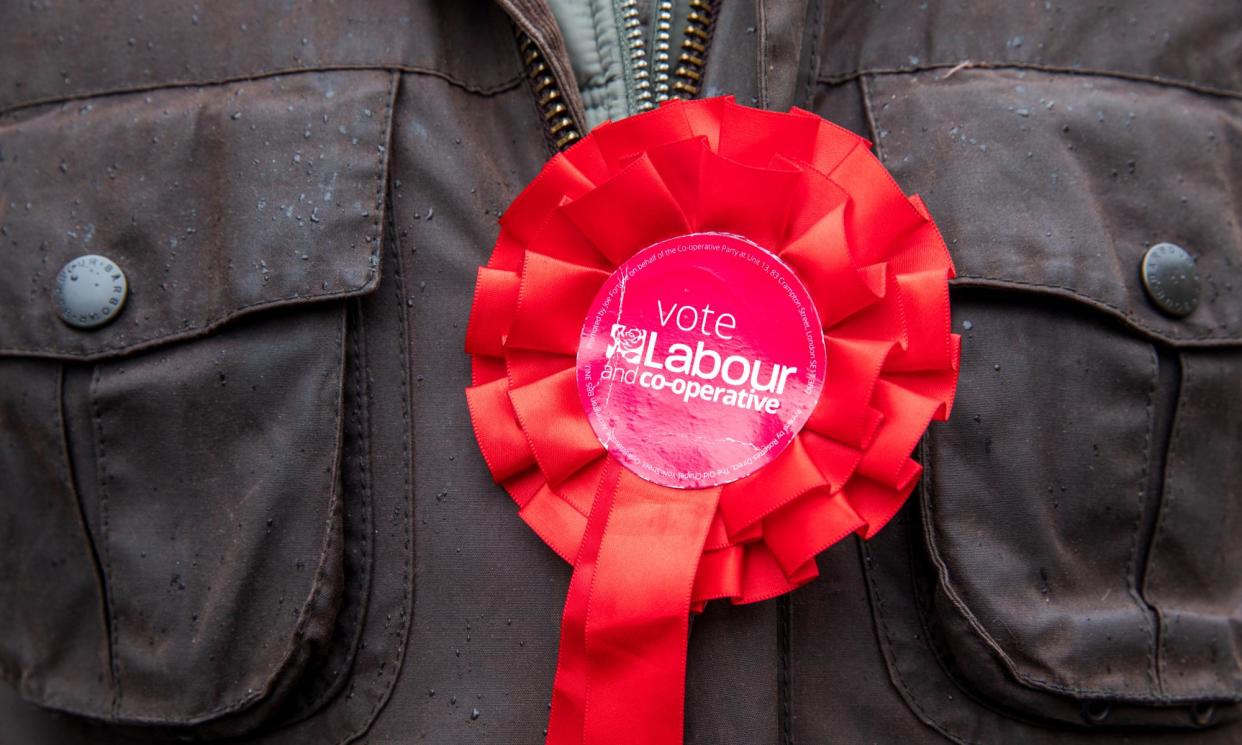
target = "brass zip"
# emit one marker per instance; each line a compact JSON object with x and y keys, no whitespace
{"x":562,"y":131}
{"x":696,"y":38}
{"x":653,"y":84}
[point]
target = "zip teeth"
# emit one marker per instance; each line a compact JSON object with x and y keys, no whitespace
{"x":661,"y":49}
{"x":653,"y":76}
{"x":640,"y":72}
{"x":691,"y":73}
{"x":698,"y":32}
{"x":555,"y":110}
{"x":693,"y":58}
{"x":562,"y":131}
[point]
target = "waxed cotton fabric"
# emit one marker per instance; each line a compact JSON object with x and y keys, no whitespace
{"x":860,"y":655}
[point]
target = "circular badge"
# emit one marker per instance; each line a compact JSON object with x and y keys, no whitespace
{"x":701,"y":358}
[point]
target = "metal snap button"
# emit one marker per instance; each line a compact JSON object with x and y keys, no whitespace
{"x":1096,"y":711}
{"x":1202,"y":713}
{"x":1171,"y":279}
{"x":90,"y":291}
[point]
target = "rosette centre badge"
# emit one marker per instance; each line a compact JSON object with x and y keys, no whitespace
{"x":701,"y":358}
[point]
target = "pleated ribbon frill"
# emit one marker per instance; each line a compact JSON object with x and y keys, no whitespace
{"x":645,"y":555}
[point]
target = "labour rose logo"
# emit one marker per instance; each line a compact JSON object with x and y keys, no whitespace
{"x":629,"y":342}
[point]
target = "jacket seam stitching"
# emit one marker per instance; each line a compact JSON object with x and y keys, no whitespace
{"x":964,"y":280}
{"x":817,"y":24}
{"x":953,"y":67}
{"x":761,"y":53}
{"x":480,"y":90}
{"x":870,"y":584}
{"x":88,"y":536}
{"x":872,"y":123}
{"x":1149,"y":630}
{"x":899,"y":680}
{"x":785,"y":685}
{"x":923,"y":601}
{"x":1166,"y":505}
{"x":102,"y":475}
{"x":363,"y":466}
{"x":401,"y":634}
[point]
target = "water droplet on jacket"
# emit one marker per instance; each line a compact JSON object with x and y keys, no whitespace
{"x":474,"y":714}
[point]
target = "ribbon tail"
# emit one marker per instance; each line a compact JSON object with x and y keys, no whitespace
{"x":566,"y":720}
{"x":621,"y":672}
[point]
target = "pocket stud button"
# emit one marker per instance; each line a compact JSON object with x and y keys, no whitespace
{"x":1096,"y":711}
{"x":90,"y":291}
{"x":1171,"y":279}
{"x":1202,"y":713}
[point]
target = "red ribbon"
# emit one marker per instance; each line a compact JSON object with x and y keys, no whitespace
{"x":646,"y":556}
{"x":623,"y":635}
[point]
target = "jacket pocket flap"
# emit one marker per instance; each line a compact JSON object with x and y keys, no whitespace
{"x":214,"y":201}
{"x":1058,"y":184}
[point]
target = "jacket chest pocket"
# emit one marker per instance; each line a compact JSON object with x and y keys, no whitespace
{"x":173,"y":509}
{"x":1081,"y":513}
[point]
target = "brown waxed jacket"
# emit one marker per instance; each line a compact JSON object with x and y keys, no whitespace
{"x":250,"y":507}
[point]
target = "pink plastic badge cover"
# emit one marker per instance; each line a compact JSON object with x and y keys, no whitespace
{"x":700,"y":360}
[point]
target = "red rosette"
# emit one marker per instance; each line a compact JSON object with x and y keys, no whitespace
{"x":877,"y":271}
